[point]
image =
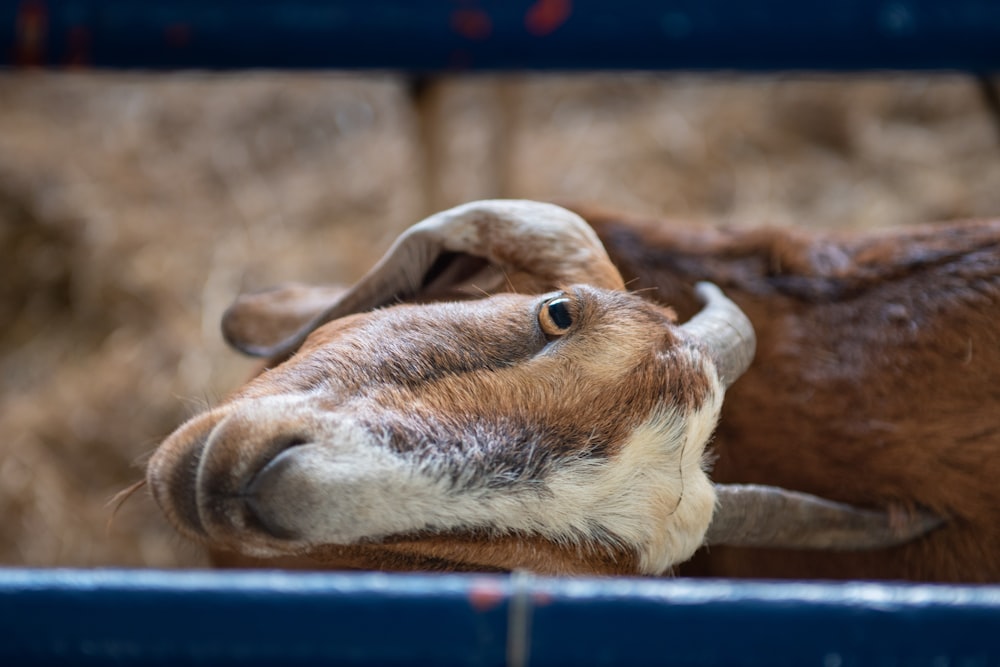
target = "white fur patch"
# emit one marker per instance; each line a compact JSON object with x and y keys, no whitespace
{"x":653,"y":496}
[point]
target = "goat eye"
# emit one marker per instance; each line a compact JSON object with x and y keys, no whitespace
{"x":555,"y":316}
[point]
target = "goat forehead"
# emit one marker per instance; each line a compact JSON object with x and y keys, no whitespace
{"x":451,"y":380}
{"x":489,"y":320}
{"x":416,"y":344}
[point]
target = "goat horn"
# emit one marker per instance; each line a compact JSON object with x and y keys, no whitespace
{"x":547,"y":242}
{"x":751,"y":515}
{"x":727,"y":333}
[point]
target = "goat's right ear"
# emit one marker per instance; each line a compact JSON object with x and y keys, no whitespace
{"x":471,"y":250}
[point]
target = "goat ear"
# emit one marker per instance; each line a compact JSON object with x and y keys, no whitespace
{"x":752,"y":515}
{"x":264,"y":319}
{"x":474,"y":249}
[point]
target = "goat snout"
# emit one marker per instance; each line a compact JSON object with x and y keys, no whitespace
{"x":215,"y":476}
{"x":234,"y":453}
{"x":266,"y":491}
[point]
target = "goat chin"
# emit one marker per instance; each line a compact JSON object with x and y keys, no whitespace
{"x":427,"y":418}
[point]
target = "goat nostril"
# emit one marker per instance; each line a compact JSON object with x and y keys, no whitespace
{"x":280,"y":443}
{"x":278,"y":446}
{"x":260,"y":506}
{"x":294,"y":441}
{"x":254,"y":516}
{"x":227,"y":473}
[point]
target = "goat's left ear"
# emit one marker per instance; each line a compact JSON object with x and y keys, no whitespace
{"x":265,"y":319}
{"x":474,"y":249}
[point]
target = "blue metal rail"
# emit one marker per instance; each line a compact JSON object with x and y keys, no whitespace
{"x":261,"y":618}
{"x":196,"y":618}
{"x":442,"y":35}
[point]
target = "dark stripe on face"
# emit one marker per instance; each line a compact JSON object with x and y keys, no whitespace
{"x":477,"y":454}
{"x":415,"y":358}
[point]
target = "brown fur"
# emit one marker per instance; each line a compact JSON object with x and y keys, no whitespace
{"x":875,"y":384}
{"x":450,"y":553}
{"x":876,"y":380}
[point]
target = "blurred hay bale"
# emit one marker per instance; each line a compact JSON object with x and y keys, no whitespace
{"x":133,"y":208}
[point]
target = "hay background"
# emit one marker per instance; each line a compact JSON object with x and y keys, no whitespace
{"x":133,"y":208}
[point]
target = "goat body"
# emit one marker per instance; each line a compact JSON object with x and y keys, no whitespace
{"x":564,"y":427}
{"x":876,"y":380}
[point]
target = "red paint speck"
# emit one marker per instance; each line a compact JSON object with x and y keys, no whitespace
{"x":472,"y":23}
{"x":484,"y":596}
{"x":32,"y":33}
{"x":541,"y":599}
{"x":545,"y":16}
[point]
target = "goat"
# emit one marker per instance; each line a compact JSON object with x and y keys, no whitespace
{"x":490,"y":397}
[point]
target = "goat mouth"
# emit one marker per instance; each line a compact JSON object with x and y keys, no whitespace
{"x":227,"y":489}
{"x":206,"y":499}
{"x":173,"y":482}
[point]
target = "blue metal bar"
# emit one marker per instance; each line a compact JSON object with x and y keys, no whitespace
{"x":441,"y":35}
{"x":258,"y":618}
